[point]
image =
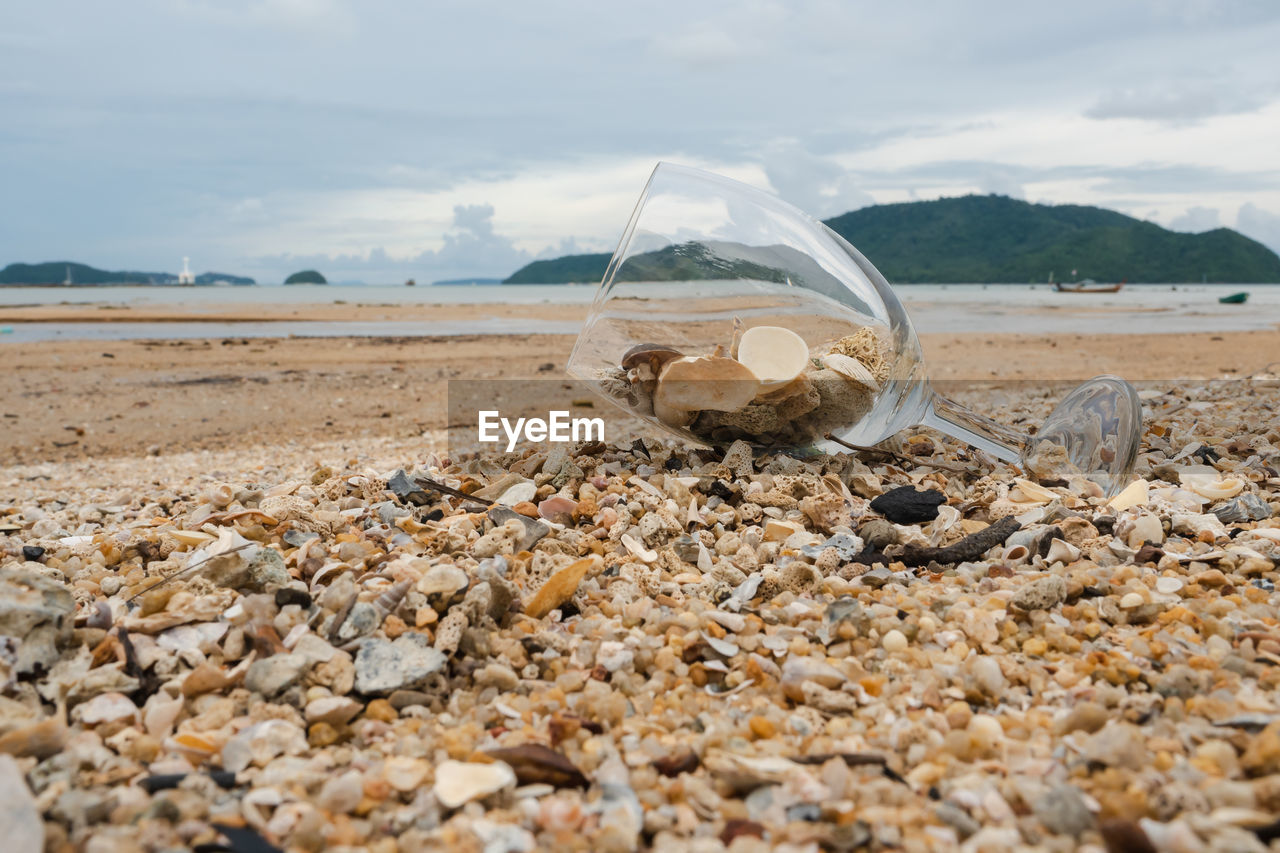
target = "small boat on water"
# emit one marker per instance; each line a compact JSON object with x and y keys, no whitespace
{"x":1234,"y":299}
{"x":1088,"y":286}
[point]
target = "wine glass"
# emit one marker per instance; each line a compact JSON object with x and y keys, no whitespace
{"x":726,"y":314}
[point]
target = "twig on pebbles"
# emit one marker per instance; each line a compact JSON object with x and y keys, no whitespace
{"x":971,"y":547}
{"x":449,"y":490}
{"x":853,"y":759}
{"x":188,"y":570}
{"x":918,"y":461}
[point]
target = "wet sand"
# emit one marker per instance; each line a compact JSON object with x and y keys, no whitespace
{"x":68,"y":400}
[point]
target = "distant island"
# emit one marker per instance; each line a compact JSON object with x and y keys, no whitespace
{"x":306,"y":277}
{"x":996,"y":239}
{"x":62,"y":272}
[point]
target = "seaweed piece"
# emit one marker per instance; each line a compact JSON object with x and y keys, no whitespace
{"x":905,"y":505}
{"x":971,"y":547}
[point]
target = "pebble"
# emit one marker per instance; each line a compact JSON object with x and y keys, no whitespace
{"x":1043,"y":593}
{"x":106,"y":708}
{"x":1063,"y":811}
{"x":382,"y":666}
{"x":399,"y":643}
{"x":342,"y":793}
{"x":334,"y":710}
{"x":404,"y":773}
{"x":1132,"y":600}
{"x":459,"y":782}
{"x":19,"y":815}
{"x":273,"y":675}
{"x":1146,"y":529}
{"x":894,"y":641}
{"x":37,"y":610}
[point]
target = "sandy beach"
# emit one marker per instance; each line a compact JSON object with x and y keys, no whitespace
{"x":649,"y":648}
{"x":70,"y":399}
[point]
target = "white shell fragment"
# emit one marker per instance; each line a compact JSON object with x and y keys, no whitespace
{"x":460,"y":782}
{"x":774,"y":354}
{"x":852,"y":369}
{"x":633,"y":545}
{"x":1062,"y":552}
{"x":1216,"y":489}
{"x":1033,"y":492}
{"x":697,"y":384}
{"x":1137,"y":493}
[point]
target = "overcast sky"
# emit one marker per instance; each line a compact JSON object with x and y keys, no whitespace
{"x":382,"y":140}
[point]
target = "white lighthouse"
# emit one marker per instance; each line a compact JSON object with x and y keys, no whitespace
{"x":186,"y":276}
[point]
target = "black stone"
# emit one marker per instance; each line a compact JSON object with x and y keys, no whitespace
{"x":167,"y":781}
{"x":242,"y":840}
{"x":288,"y":595}
{"x":672,"y":464}
{"x":34,"y":553}
{"x":722,"y":490}
{"x":638,"y":448}
{"x":1105,"y":523}
{"x":905,"y":505}
{"x":1045,"y":540}
{"x":1207,"y":455}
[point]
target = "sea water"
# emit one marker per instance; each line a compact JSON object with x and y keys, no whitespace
{"x":1035,"y":309}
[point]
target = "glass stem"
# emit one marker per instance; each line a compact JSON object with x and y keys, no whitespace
{"x":1000,"y":441}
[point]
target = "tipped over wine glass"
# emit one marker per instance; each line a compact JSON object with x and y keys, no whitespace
{"x":726,"y":314}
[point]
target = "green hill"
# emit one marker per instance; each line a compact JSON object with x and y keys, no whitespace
{"x":217,"y":277}
{"x":306,"y":277}
{"x":998,"y":239}
{"x":56,"y":272}
{"x":570,"y":268}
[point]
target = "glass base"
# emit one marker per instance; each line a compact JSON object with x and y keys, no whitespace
{"x":1093,"y":432}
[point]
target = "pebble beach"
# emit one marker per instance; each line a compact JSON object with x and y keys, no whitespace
{"x":361,"y":643}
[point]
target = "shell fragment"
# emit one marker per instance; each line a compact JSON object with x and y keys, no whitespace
{"x":695,"y":384}
{"x":852,"y":369}
{"x":774,"y":354}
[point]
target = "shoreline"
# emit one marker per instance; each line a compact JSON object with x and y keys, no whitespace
{"x":75,"y":399}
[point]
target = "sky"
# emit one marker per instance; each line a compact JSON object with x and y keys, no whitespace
{"x":378,"y":141}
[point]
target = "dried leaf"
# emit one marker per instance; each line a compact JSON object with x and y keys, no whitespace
{"x":537,"y":764}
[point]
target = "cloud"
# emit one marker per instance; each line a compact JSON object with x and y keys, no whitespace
{"x":819,"y":186}
{"x":1000,"y":180}
{"x":1196,"y":220}
{"x":327,"y":17}
{"x":1180,"y":104}
{"x":326,"y":128}
{"x":1261,"y":225}
{"x":472,"y":248}
{"x":703,"y":47}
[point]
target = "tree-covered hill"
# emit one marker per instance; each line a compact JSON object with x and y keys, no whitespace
{"x":570,"y":268}
{"x":999,"y":239}
{"x":306,"y":277}
{"x":56,"y":272}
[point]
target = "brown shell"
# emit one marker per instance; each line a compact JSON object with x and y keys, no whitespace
{"x":655,"y":355}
